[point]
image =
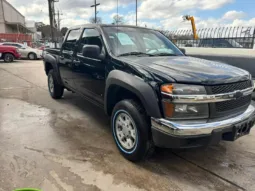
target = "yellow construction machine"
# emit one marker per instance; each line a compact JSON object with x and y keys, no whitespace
{"x":191,"y":18}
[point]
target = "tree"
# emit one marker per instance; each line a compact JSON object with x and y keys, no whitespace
{"x":63,"y":31}
{"x":118,"y":19}
{"x":98,"y":21}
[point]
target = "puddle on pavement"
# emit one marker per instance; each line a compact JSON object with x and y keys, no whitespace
{"x":81,"y":149}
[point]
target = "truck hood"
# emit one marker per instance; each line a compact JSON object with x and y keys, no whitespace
{"x":184,"y":69}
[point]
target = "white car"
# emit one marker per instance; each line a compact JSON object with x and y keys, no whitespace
{"x":26,"y":51}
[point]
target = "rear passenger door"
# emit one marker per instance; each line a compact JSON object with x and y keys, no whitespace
{"x":66,"y":57}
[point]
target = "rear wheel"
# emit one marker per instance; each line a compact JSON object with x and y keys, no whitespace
{"x":56,"y":90}
{"x":131,"y":130}
{"x":8,"y":57}
{"x":32,"y":56}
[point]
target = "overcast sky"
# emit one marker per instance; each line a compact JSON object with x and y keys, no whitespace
{"x":166,"y":14}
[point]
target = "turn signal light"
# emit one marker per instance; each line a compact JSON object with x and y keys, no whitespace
{"x":168,"y":88}
{"x":168,"y":109}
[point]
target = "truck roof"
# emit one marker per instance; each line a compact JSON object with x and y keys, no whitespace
{"x":106,"y":25}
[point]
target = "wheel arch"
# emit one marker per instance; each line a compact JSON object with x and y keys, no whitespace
{"x":31,"y":53}
{"x":121,"y":85}
{"x":8,"y":53}
{"x":50,"y":62}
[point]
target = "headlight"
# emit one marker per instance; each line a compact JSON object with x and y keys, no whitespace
{"x":183,"y":89}
{"x":182,"y":110}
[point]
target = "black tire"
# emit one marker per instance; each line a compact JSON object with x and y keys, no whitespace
{"x":57,"y":90}
{"x":8,"y":57}
{"x":144,"y":146}
{"x":32,"y":56}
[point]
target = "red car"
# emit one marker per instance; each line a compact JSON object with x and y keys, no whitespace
{"x":9,"y":53}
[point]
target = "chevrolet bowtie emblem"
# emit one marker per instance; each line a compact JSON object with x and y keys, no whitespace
{"x":238,"y":94}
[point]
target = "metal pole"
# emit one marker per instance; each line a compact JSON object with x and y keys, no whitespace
{"x":136,"y":11}
{"x":95,"y":5}
{"x":51,"y":19}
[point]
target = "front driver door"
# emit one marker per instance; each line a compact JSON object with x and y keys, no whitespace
{"x":89,"y":73}
{"x":66,"y":57}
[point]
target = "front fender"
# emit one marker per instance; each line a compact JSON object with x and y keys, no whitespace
{"x":51,"y":60}
{"x":137,"y":86}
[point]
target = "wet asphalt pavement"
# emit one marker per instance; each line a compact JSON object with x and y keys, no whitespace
{"x":67,"y":145}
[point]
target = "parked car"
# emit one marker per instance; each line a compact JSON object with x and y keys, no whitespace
{"x":9,"y":53}
{"x":155,"y":95}
{"x":26,"y":51}
{"x":219,"y":43}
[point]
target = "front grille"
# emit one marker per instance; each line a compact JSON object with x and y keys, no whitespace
{"x":225,"y":108}
{"x":232,"y":104}
{"x":230,"y":87}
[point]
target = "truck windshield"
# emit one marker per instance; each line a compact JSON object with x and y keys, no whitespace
{"x":126,"y":41}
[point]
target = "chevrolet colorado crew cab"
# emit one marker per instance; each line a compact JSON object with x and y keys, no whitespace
{"x":155,"y":95}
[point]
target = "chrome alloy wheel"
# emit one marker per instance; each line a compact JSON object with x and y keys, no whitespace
{"x":126,"y":131}
{"x":51,"y":84}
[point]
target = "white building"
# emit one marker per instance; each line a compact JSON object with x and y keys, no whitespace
{"x":31,"y":25}
{"x":11,"y":20}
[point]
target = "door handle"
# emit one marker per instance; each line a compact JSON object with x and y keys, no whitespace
{"x":76,"y":62}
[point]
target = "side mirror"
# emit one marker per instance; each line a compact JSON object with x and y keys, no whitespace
{"x":183,"y":50}
{"x":91,"y":51}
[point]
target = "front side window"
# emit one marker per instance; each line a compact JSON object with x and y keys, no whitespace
{"x":89,"y":37}
{"x":124,"y":40}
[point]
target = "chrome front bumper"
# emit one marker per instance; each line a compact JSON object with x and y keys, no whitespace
{"x":182,"y":128}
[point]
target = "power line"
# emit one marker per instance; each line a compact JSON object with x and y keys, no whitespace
{"x":95,"y":5}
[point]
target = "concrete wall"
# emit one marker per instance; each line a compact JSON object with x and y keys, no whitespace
{"x":9,"y":29}
{"x":1,"y":12}
{"x":11,"y":14}
{"x":242,"y":58}
{"x":2,"y":28}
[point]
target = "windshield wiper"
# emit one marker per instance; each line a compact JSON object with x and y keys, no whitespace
{"x":165,"y":54}
{"x":135,"y":53}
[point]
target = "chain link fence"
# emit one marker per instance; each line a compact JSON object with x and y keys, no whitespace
{"x":221,"y":37}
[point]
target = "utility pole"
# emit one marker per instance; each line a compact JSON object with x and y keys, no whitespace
{"x":52,"y":19}
{"x":95,"y":5}
{"x":136,"y":11}
{"x":58,"y":14}
{"x":50,"y":2}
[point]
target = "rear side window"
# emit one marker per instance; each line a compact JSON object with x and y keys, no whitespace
{"x":71,"y":39}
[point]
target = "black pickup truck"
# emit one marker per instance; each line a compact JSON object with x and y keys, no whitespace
{"x":155,"y":95}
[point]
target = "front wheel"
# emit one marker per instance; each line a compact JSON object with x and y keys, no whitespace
{"x":8,"y":57}
{"x":131,"y":130}
{"x":56,"y":90}
{"x":32,"y":56}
